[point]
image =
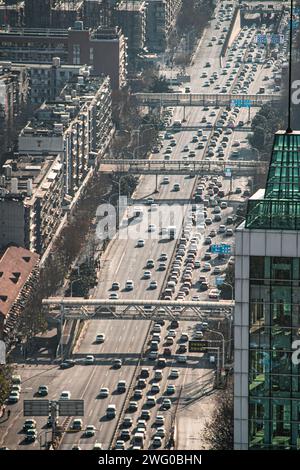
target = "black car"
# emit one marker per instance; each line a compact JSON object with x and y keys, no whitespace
{"x":67,"y":364}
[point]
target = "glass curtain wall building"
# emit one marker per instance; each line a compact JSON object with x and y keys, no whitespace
{"x":267,"y":314}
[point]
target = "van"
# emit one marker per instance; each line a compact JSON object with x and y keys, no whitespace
{"x":111,"y":411}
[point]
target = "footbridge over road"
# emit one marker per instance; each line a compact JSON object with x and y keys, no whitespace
{"x":182,"y":167}
{"x":202,"y":99}
{"x":59,"y":309}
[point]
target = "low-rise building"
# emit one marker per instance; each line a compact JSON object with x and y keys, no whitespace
{"x":103,"y":48}
{"x":18,"y":272}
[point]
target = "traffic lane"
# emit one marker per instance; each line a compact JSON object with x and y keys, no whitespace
{"x":129,"y":342}
{"x":11,"y":434}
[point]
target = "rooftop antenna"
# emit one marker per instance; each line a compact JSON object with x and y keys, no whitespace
{"x":289,"y":130}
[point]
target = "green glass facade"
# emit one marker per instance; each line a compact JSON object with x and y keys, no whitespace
{"x":280,"y":208}
{"x":274,"y":380}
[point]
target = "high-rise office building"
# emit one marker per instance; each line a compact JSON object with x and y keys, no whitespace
{"x":267,"y":313}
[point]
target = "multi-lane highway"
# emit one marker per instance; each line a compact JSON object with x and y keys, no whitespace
{"x":245,"y":69}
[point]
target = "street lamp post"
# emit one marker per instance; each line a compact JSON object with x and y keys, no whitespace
{"x":223,"y":346}
{"x":72,"y":282}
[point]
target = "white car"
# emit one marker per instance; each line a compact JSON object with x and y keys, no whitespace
{"x":89,"y":359}
{"x":140,"y":243}
{"x":65,"y":395}
{"x":129,"y":285}
{"x":214,"y":294}
{"x":104,"y":392}
{"x":100,"y":338}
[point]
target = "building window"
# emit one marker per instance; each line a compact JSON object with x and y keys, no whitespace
{"x":76,"y":54}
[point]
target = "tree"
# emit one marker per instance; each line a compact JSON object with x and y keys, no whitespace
{"x":5,"y":382}
{"x":218,"y":432}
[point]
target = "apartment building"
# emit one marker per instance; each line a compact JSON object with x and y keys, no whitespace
{"x":161,"y":19}
{"x":13,"y":98}
{"x":131,"y":17}
{"x":104,"y":49}
{"x":75,"y":126}
{"x":31,"y":200}
{"x":46,"y":81}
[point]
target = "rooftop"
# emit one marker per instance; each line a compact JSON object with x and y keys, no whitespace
{"x":280,"y":206}
{"x":16,"y":266}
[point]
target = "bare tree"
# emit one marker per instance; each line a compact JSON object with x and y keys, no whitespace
{"x":218,"y":433}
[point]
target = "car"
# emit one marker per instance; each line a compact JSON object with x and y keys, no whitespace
{"x":217,"y":270}
{"x":129,"y":285}
{"x":111,"y":411}
{"x":77,"y":424}
{"x":120,"y":445}
{"x":140,"y":243}
{"x":153,"y":285}
{"x":206,"y":267}
{"x":76,"y":447}
{"x":124,"y":435}
{"x":150,"y":264}
{"x":174,"y":374}
{"x":104,"y":392}
{"x":166,"y":404}
{"x":165,"y":180}
{"x":67,"y":363}
{"x":147,"y":275}
{"x":162,"y":266}
{"x":29,"y":424}
{"x":115,"y":286}
{"x":117,"y":363}
{"x":97,"y":446}
{"x":151,"y":401}
{"x":145,"y":372}
{"x":176,"y":187}
{"x":65,"y":395}
{"x":151,"y":228}
{"x":31,"y":435}
{"x":113,"y":296}
{"x":170,"y":390}
{"x":137,"y":394}
{"x":161,"y":432}
{"x":153,"y":355}
{"x":100,"y":338}
{"x":157,"y":441}
{"x":229,"y":232}
{"x":214,"y":294}
{"x":90,"y":430}
{"x":43,"y":390}
{"x":89,"y":359}
{"x":121,"y":386}
{"x":198,"y":335}
{"x":155,"y":388}
{"x":181,"y":358}
{"x":127,"y":422}
{"x":145,"y":415}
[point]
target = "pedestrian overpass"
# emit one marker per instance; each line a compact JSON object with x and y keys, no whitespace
{"x":202,"y":99}
{"x":59,"y":309}
{"x":182,"y":167}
